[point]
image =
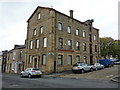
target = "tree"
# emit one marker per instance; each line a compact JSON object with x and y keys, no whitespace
{"x":108,"y":47}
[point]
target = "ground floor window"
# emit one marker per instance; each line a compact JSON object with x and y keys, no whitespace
{"x":69,"y":59}
{"x":30,"y":59}
{"x":85,"y":59}
{"x":77,"y":58}
{"x":43,"y":59}
{"x":60,"y":57}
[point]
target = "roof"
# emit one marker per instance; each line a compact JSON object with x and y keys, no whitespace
{"x":62,"y":14}
{"x":19,"y":46}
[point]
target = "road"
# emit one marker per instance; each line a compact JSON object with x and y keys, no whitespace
{"x":14,"y":81}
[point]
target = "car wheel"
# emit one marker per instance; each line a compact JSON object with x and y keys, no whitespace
{"x":21,"y":75}
{"x":82,"y":71}
{"x":91,"y":69}
{"x":29,"y":75}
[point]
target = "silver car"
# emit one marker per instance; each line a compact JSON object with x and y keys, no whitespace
{"x":81,"y":67}
{"x":97,"y":66}
{"x":30,"y":72}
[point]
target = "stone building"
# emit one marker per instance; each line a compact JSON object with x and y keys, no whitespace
{"x":56,"y":41}
{"x":15,"y":59}
{"x":3,"y":58}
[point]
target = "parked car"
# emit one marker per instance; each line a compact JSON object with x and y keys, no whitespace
{"x":97,"y":66}
{"x":81,"y":68}
{"x":116,"y":61}
{"x":30,"y":72}
{"x":106,"y":62}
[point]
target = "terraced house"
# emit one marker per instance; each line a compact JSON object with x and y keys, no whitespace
{"x":15,"y":59}
{"x":56,"y":41}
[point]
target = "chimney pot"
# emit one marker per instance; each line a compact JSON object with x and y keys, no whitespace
{"x":71,"y":13}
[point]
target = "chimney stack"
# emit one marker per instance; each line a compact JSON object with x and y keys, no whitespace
{"x":71,"y":13}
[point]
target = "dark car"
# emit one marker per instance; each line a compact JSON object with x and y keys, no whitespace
{"x":106,"y":62}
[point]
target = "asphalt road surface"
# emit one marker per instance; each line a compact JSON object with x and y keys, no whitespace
{"x":15,"y":81}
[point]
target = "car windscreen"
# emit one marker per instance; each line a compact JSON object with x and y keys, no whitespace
{"x":36,"y":69}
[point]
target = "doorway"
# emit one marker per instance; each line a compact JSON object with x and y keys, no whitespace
{"x":35,"y":63}
{"x":91,"y":59}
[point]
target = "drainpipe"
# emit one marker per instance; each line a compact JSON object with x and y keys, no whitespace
{"x":55,"y":55}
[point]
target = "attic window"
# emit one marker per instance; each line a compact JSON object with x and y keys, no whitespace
{"x":38,"y":15}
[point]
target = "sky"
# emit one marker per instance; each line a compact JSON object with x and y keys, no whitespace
{"x":15,"y":13}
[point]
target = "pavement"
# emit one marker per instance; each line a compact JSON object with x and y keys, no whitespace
{"x":116,"y":79}
{"x":110,"y":73}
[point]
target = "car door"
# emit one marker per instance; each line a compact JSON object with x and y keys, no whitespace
{"x":86,"y":67}
{"x":27,"y":72}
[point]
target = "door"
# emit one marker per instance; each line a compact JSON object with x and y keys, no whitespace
{"x":35,"y":63}
{"x":54,"y":66}
{"x":91,"y":59}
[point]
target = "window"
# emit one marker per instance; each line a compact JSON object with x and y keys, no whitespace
{"x":94,"y":37}
{"x":69,"y":29}
{"x":84,"y":34}
{"x":69,"y":44}
{"x":43,"y":59}
{"x":30,"y":59}
{"x":34,"y":33}
{"x":77,"y":58}
{"x":21,"y":52}
{"x":39,"y":15}
{"x":77,"y":32}
{"x":84,"y":46}
{"x":14,"y":55}
{"x":37,"y":43}
{"x":70,"y":59}
{"x":45,"y":42}
{"x":60,"y":43}
{"x":60,"y":59}
{"x":85,"y":59}
{"x":60,"y":26}
{"x":41,"y":29}
{"x":31,"y":44}
{"x":95,"y":48}
{"x":77,"y":45}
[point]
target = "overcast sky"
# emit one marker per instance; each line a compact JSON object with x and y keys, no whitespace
{"x":15,"y":13}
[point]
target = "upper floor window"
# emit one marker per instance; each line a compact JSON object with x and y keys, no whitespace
{"x":84,"y":46}
{"x":60,"y":26}
{"x":34,"y":32}
{"x":21,"y":53}
{"x":69,"y":44}
{"x":69,"y":29}
{"x":77,"y":32}
{"x":95,"y":48}
{"x":39,"y":16}
{"x":41,"y":29}
{"x":77,"y":45}
{"x":14,"y":55}
{"x":60,"y":43}
{"x":37,"y":43}
{"x":44,"y":42}
{"x":84,"y":34}
{"x":31,"y":44}
{"x":94,"y":37}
